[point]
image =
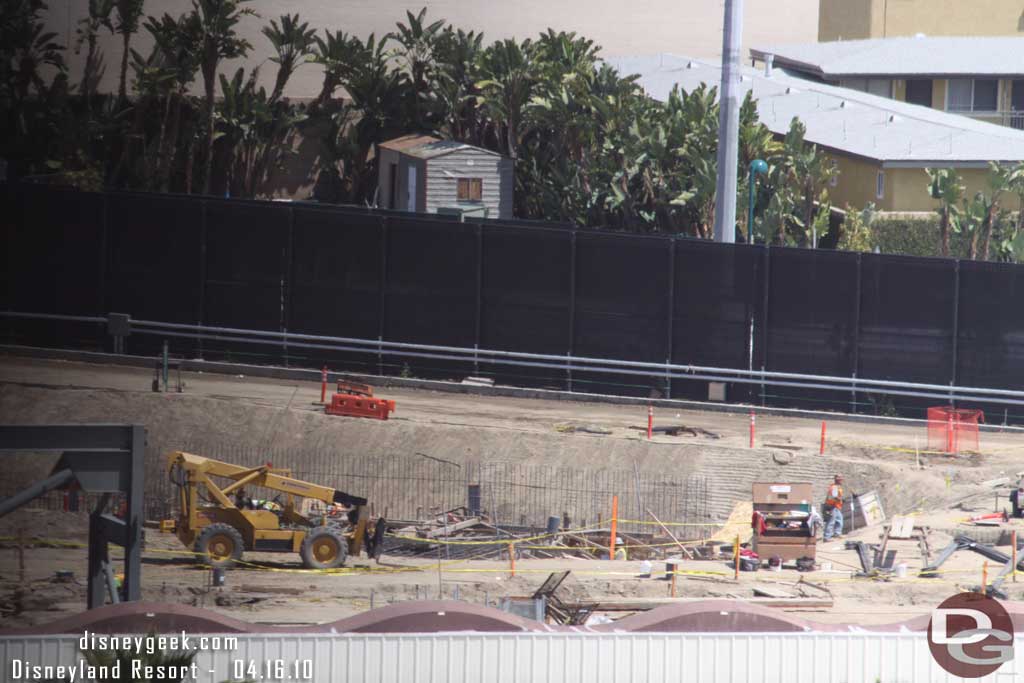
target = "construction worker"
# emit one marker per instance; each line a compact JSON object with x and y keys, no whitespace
{"x":834,"y":509}
{"x":620,"y":550}
{"x":1017,"y":499}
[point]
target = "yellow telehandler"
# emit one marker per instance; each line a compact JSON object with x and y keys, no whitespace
{"x":219,"y":523}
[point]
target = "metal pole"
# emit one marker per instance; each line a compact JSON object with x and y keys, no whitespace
{"x":956,"y":330}
{"x":671,"y":311}
{"x":572,"y":305}
{"x":750,"y":206}
{"x":165,"y":365}
{"x":728,"y":123}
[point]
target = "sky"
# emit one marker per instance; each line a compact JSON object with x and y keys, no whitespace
{"x":688,"y":27}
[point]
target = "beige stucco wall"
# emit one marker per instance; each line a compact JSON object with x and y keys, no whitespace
{"x":857,"y":19}
{"x":899,"y":90}
{"x":906,"y":189}
{"x":952,"y":17}
{"x":855,"y":183}
{"x":845,"y":19}
{"x":939,"y":94}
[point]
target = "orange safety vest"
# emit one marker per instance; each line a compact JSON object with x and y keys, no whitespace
{"x":835,"y":496}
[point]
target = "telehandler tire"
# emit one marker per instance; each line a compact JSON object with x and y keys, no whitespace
{"x":219,"y":545}
{"x":323,"y":548}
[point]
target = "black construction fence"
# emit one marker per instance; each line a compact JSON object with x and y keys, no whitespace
{"x":508,"y":285}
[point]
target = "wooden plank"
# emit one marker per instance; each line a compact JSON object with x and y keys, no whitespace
{"x":902,"y":526}
{"x":768,"y":592}
{"x":452,"y":528}
{"x":616,"y":604}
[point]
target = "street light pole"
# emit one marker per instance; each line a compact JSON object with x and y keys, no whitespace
{"x":728,"y":123}
{"x":756,"y":166}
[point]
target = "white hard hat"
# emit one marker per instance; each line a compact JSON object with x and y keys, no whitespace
{"x":618,"y":540}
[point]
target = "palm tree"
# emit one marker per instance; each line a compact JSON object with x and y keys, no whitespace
{"x":945,"y":186}
{"x":293,"y":43}
{"x":129,"y":12}
{"x":216,"y":21}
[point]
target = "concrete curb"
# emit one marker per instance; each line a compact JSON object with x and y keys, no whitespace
{"x":313,"y":375}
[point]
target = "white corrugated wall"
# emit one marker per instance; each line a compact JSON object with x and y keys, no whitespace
{"x":558,"y":657}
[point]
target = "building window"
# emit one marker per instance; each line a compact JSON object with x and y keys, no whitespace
{"x":880,"y":185}
{"x":919,"y":91}
{"x":972,"y":94}
{"x":470,"y":189}
{"x":874,"y":86}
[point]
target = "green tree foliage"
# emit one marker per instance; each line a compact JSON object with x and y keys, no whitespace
{"x":856,"y":233}
{"x":217,"y":21}
{"x":293,"y":44}
{"x":129,"y":14}
{"x":944,"y":185}
{"x":88,"y":32}
{"x":31,"y":106}
{"x":589,"y":147}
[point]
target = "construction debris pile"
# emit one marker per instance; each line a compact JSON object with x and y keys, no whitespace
{"x":461,"y":534}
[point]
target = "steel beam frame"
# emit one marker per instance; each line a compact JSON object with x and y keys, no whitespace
{"x":80,"y":444}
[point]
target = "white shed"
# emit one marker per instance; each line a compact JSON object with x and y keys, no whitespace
{"x":428,"y":175}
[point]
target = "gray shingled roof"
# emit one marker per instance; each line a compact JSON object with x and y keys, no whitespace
{"x":428,"y":147}
{"x":903,"y":57}
{"x":878,"y":128}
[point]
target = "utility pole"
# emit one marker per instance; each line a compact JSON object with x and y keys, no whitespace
{"x":728,"y":123}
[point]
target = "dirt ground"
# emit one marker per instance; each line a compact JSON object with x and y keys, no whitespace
{"x":940,"y":491}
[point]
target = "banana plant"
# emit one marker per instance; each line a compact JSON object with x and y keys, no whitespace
{"x":88,"y":31}
{"x":339,"y":54}
{"x":293,"y":42}
{"x":944,"y":185}
{"x":217,"y":22}
{"x":456,"y":54}
{"x":417,"y":42}
{"x":178,"y":39}
{"x":509,"y":80}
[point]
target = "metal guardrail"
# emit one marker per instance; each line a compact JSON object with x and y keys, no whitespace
{"x":566,"y":363}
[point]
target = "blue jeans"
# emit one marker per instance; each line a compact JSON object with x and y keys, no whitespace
{"x":834,"y":525}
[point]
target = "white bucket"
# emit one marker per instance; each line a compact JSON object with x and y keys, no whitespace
{"x":901,"y":570}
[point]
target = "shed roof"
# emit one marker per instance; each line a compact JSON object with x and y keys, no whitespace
{"x":892,"y":132}
{"x":428,"y":146}
{"x":903,"y":57}
{"x":406,"y":142}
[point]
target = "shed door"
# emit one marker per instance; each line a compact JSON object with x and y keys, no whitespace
{"x":411,"y":189}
